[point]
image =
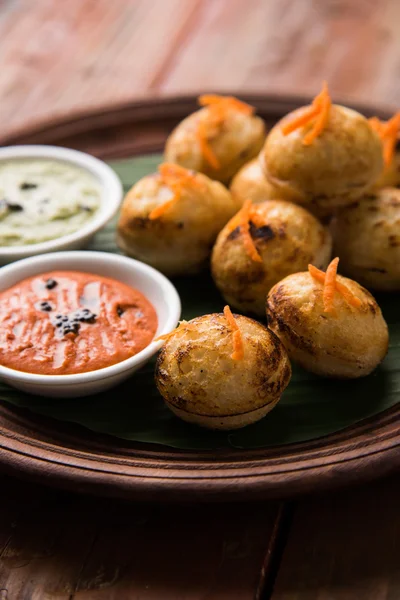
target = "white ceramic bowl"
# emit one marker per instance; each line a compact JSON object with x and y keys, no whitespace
{"x":157,"y":289}
{"x":111,"y":197}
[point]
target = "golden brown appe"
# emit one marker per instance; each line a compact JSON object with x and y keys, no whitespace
{"x":202,"y":384}
{"x":234,"y":141}
{"x":343,"y":161}
{"x":348,"y":343}
{"x":179,"y":240}
{"x":367,"y":239}
{"x":287,"y":238}
{"x":251,"y":183}
{"x":390,"y":176}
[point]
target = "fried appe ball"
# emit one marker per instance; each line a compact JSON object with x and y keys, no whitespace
{"x":217,"y":139}
{"x":342,"y":162}
{"x":390,"y":177}
{"x":251,"y":183}
{"x":348,"y":342}
{"x":367,"y":239}
{"x":201,"y":382}
{"x":285,"y":239}
{"x":170,"y":219}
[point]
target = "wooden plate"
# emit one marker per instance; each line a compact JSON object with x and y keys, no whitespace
{"x":73,"y":457}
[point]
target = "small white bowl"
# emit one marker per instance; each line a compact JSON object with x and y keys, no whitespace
{"x":111,"y":197}
{"x":155,"y":286}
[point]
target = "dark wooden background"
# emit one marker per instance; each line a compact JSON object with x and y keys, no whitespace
{"x":61,"y":57}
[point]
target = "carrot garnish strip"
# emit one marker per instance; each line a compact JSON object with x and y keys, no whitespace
{"x":174,"y":172}
{"x":342,"y":289}
{"x":322,"y":119}
{"x":388,"y":150}
{"x":319,"y":110}
{"x":160,"y":210}
{"x":242,"y":220}
{"x":218,"y":106}
{"x":225,"y":102}
{"x":166,"y":336}
{"x":376,"y":124}
{"x":175,"y":177}
{"x":392,"y":126}
{"x":301,"y":120}
{"x":248,"y":241}
{"x":330,"y":285}
{"x":316,"y":273}
{"x":238,"y":350}
{"x":257,"y":216}
{"x":348,"y":295}
{"x":205,"y":147}
{"x":388,"y":132}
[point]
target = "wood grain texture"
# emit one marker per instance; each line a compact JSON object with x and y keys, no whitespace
{"x":343,"y":547}
{"x":286,"y":46}
{"x":65,"y":57}
{"x":67,"y":547}
{"x":57,"y":57}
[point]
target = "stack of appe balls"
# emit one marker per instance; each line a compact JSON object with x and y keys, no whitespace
{"x":324,"y":180}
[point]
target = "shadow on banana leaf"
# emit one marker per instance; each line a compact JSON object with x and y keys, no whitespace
{"x":309,"y":409}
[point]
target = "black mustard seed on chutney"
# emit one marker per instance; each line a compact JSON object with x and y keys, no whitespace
{"x":70,"y":323}
{"x":45,"y":306}
{"x":26,"y":185}
{"x":50,"y":284}
{"x":13,"y":207}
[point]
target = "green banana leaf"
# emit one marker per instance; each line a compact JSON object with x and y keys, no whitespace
{"x":310,"y":408}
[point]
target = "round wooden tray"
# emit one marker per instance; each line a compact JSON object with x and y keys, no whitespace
{"x":72,"y":457}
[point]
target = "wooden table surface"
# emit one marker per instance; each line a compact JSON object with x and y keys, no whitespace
{"x":59,"y":57}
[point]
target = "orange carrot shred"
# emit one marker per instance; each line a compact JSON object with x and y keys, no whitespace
{"x":301,"y":120}
{"x":323,"y":102}
{"x":241,"y":220}
{"x":388,"y":150}
{"x":321,"y":122}
{"x":318,"y":112}
{"x":376,"y":124}
{"x":238,"y":350}
{"x":316,"y":273}
{"x":230,"y":318}
{"x":329,"y":285}
{"x":225,"y":102}
{"x":218,"y":106}
{"x":348,"y":295}
{"x":162,"y":208}
{"x":392,"y":126}
{"x":166,"y":336}
{"x":173,"y":171}
{"x":257,"y":216}
{"x":342,"y":289}
{"x":175,"y":177}
{"x":205,"y":147}
{"x":388,"y":132}
{"x":248,"y":241}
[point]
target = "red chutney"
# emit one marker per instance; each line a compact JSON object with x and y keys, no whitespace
{"x":67,"y":322}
